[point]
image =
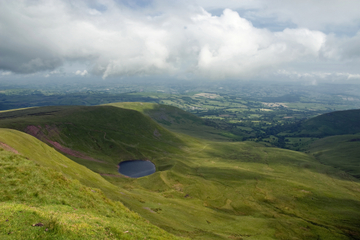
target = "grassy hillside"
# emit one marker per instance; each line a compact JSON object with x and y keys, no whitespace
{"x":40,"y":202}
{"x":335,"y":123}
{"x":329,"y":124}
{"x":203,"y":189}
{"x":342,"y":152}
{"x":178,"y":120}
{"x":298,"y":136}
{"x":248,"y":191}
{"x":103,"y":135}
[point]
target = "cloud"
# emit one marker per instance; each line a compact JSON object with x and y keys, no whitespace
{"x":7,"y":73}
{"x":315,"y":77}
{"x":81,"y":73}
{"x":329,"y":15}
{"x":354,"y":76}
{"x":152,"y":38}
{"x":230,"y":46}
{"x":350,"y":47}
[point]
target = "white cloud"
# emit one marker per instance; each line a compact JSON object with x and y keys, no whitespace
{"x":230,"y":46}
{"x":7,"y":73}
{"x":81,"y":73}
{"x":179,"y":41}
{"x":319,"y":14}
{"x":353,"y":76}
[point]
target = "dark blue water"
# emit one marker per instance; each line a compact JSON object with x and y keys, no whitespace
{"x":136,"y":168}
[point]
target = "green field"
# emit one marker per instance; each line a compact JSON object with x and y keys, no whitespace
{"x":342,"y":152}
{"x":259,"y":106}
{"x":202,"y":189}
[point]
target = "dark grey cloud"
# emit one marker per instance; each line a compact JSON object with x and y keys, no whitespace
{"x":351,"y":47}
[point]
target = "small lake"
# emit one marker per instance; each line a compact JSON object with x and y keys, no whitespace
{"x":136,"y":168}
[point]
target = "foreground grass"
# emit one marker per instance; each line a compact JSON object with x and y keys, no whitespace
{"x":63,"y":208}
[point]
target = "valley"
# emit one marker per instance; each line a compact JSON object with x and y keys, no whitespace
{"x":206,"y":186}
{"x":238,"y":110}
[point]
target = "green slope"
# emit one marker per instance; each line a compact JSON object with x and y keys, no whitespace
{"x":342,"y":152}
{"x":204,"y":189}
{"x":248,"y":191}
{"x":108,"y":134}
{"x":40,"y":186}
{"x":329,"y":124}
{"x":335,"y":123}
{"x":178,"y":120}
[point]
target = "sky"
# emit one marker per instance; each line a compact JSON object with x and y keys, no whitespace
{"x":297,"y":40}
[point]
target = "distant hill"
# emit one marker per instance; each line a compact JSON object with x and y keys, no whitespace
{"x":178,"y":120}
{"x":334,"y":123}
{"x":329,"y":124}
{"x":288,"y":98}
